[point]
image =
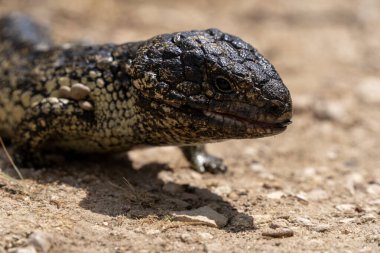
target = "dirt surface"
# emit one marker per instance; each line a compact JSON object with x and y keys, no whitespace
{"x":317,"y":185}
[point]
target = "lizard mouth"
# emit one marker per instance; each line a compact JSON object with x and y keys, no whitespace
{"x":237,"y":121}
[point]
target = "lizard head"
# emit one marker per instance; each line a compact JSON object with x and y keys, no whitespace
{"x":211,"y":84}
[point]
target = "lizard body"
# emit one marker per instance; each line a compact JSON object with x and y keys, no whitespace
{"x":184,"y":89}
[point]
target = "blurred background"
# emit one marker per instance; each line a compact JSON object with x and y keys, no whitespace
{"x":328,"y":54}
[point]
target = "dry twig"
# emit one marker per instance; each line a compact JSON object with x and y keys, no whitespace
{"x":10,"y":158}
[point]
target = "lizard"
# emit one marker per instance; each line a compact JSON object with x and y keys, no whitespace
{"x":183,"y":89}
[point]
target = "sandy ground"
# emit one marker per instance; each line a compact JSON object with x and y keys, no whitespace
{"x":320,"y":180}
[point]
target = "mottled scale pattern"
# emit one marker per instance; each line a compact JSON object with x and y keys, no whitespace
{"x":185,"y":88}
{"x":39,"y":75}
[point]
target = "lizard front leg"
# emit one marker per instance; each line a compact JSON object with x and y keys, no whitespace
{"x":202,"y":161}
{"x":46,"y":122}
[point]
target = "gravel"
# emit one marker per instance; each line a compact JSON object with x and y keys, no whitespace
{"x":278,"y":233}
{"x":203,"y":215}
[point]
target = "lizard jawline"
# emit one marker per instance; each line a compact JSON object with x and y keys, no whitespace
{"x":228,"y":120}
{"x":231,"y":120}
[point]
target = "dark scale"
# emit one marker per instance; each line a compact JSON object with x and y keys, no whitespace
{"x":184,"y":89}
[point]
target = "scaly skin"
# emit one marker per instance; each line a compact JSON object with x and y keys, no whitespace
{"x":183,"y":89}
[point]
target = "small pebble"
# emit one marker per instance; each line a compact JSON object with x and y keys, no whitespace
{"x":278,"y":233}
{"x":314,"y":243}
{"x":213,"y":247}
{"x":309,"y":172}
{"x":222,"y":190}
{"x":27,"y":249}
{"x":331,"y":110}
{"x":279,"y":223}
{"x":369,"y":217}
{"x":375,"y":202}
{"x":204,"y":215}
{"x":79,"y":91}
{"x":345,"y":231}
{"x":257,"y":167}
{"x":304,"y":221}
{"x":272,"y":186}
{"x":205,"y":235}
{"x":276,"y":195}
{"x":195,"y":175}
{"x":233,"y":196}
{"x":262,"y":218}
{"x":321,"y":228}
{"x":303,"y":103}
{"x":250,"y":151}
{"x":314,"y":195}
{"x":332,"y":155}
{"x":186,"y":237}
{"x":346,"y":208}
{"x":374,"y":238}
{"x":353,"y":181}
{"x":368,"y":90}
{"x":153,"y":232}
{"x":302,"y":198}
{"x":373,"y":189}
{"x":347,"y":220}
{"x":41,"y":241}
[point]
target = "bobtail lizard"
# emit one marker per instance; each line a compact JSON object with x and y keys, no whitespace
{"x":184,"y":89}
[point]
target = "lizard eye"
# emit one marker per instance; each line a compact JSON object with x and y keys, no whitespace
{"x":223,"y":85}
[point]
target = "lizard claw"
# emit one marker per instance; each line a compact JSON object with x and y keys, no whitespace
{"x":202,"y":161}
{"x":209,"y":163}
